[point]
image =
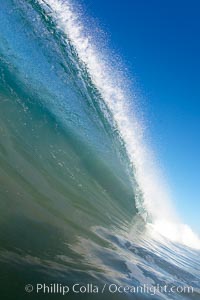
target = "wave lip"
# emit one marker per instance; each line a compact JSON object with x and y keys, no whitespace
{"x":152,"y":197}
{"x":149,"y":188}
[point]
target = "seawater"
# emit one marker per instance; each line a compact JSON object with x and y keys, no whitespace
{"x":75,"y":206}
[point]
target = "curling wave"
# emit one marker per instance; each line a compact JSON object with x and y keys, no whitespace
{"x":81,"y":196}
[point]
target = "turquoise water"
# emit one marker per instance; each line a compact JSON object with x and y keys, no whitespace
{"x":69,"y":208}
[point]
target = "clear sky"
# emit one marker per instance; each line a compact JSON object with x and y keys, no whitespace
{"x":160,"y":42}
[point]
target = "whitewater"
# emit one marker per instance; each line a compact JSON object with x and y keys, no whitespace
{"x":83,"y":199}
{"x":155,"y":199}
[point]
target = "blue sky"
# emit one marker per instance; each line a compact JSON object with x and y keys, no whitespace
{"x":160,"y":43}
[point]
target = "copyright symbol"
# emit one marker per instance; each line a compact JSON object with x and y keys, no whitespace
{"x":29,"y":288}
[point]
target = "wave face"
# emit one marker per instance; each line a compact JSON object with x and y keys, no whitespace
{"x":74,"y":193}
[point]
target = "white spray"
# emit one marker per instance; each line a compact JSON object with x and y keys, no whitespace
{"x":155,"y":196}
